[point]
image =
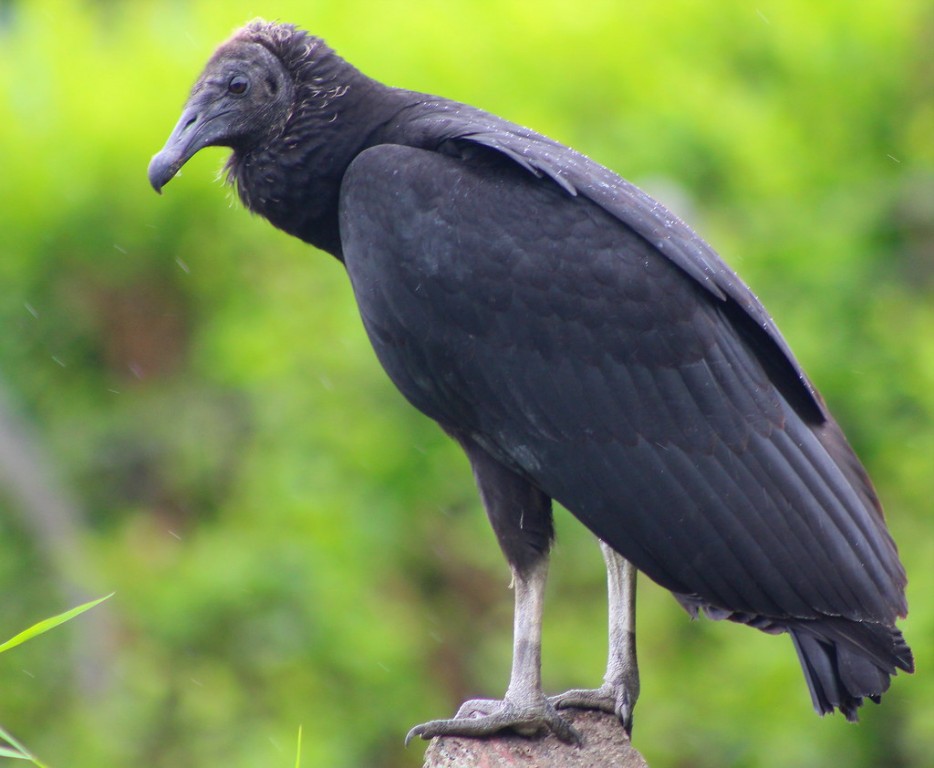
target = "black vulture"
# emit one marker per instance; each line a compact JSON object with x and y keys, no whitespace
{"x":583,"y":345}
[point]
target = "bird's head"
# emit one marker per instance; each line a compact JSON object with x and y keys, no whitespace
{"x":242,"y":99}
{"x":295,"y":114}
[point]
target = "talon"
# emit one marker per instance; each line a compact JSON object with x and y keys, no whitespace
{"x":416,"y":731}
{"x":624,"y":710}
{"x":567,"y":733}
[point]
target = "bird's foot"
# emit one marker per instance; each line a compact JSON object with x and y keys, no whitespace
{"x":485,"y":717}
{"x":614,"y":698}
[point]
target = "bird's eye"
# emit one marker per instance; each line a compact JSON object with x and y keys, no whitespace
{"x":238,"y":85}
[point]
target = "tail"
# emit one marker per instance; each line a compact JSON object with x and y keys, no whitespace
{"x":845,"y":661}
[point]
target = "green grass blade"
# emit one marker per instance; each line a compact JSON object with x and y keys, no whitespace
{"x":298,"y":753}
{"x":50,"y":623}
{"x":21,"y":752}
{"x":18,"y":751}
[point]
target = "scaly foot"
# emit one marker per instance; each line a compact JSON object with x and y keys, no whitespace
{"x":612,"y":698}
{"x":485,"y":717}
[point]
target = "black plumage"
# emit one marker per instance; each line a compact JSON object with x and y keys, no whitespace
{"x":583,"y":345}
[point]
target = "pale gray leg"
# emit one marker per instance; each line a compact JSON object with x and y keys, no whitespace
{"x":524,"y":708}
{"x":620,"y":688}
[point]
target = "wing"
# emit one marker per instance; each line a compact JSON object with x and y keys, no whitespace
{"x":436,"y":123}
{"x":568,"y":346}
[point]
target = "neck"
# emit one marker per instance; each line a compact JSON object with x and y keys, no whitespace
{"x":293,"y":179}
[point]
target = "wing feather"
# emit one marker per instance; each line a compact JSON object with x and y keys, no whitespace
{"x":656,"y":409}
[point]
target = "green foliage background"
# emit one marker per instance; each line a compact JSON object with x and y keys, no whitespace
{"x":289,"y":542}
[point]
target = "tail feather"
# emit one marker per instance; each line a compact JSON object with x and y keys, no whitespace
{"x":846,"y":661}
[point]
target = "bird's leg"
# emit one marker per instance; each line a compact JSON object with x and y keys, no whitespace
{"x":521,"y":516}
{"x":620,"y":688}
{"x":524,"y":709}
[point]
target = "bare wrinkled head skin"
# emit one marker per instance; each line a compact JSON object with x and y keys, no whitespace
{"x":242,"y":99}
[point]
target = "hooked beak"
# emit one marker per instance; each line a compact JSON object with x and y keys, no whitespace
{"x":196,"y":129}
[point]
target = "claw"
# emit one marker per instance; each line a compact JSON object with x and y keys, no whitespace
{"x":624,"y":708}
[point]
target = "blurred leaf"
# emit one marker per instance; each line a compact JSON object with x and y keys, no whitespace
{"x":46,"y":624}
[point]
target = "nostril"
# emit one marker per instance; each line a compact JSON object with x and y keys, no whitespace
{"x":191,"y":120}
